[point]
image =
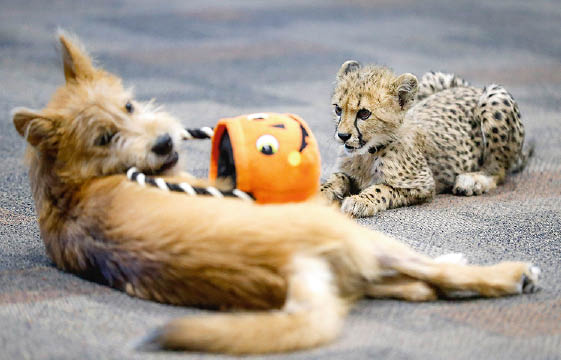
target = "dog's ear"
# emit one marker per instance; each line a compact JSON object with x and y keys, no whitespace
{"x":405,"y":89}
{"x":347,"y":67}
{"x":32,"y":125}
{"x":75,"y":59}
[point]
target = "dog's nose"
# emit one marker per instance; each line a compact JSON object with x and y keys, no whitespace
{"x":163,"y":145}
{"x":344,"y":136}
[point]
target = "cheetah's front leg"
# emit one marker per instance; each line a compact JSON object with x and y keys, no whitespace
{"x":337,"y":187}
{"x":382,"y":197}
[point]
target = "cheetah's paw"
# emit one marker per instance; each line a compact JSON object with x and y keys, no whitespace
{"x":472,"y":184}
{"x":331,"y":194}
{"x":358,"y":206}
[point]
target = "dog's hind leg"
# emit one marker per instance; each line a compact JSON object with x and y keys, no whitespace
{"x":402,"y":287}
{"x":505,"y":278}
{"x":398,"y":286}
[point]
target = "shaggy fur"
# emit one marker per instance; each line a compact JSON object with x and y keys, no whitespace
{"x":290,"y":270}
{"x":400,"y":146}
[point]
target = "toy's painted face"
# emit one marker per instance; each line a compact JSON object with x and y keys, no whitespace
{"x":268,"y":143}
{"x":273,"y":156}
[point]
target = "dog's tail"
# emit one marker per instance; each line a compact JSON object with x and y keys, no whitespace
{"x":433,"y":82}
{"x":249,"y":333}
{"x":312,"y":315}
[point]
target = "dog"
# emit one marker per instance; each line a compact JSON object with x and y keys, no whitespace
{"x":290,"y":271}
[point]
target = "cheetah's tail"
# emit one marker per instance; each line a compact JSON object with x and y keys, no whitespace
{"x":520,"y":163}
{"x":433,"y":82}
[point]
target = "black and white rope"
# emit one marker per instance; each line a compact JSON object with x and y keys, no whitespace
{"x":198,"y":133}
{"x":134,"y":175}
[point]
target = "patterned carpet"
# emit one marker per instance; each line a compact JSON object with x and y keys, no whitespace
{"x":209,"y":59}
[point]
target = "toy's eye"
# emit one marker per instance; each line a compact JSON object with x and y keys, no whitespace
{"x":129,"y":107}
{"x":363,"y":114}
{"x":338,"y":110}
{"x":267,"y":144}
{"x":104,"y":139}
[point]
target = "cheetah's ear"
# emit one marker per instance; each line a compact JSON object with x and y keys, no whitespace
{"x":348,"y":67}
{"x":405,"y":89}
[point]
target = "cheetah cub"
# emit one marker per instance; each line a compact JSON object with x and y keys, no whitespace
{"x":402,"y":142}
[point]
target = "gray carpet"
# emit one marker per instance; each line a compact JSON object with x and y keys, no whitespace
{"x":209,"y":59}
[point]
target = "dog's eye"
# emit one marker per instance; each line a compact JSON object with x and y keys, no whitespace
{"x":338,"y":110}
{"x":104,"y":139}
{"x":129,"y":107}
{"x":363,"y":114}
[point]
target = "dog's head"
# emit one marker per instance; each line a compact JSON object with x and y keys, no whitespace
{"x":93,"y":126}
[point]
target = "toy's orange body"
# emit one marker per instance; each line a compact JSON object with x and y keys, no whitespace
{"x":274,"y":157}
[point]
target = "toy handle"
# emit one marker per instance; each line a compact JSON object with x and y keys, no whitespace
{"x":136,"y":176}
{"x":198,"y":133}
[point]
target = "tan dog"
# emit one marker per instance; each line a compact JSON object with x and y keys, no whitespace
{"x":293,"y":268}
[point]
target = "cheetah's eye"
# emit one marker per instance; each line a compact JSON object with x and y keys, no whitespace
{"x":363,"y":114}
{"x":104,"y":139}
{"x":129,"y":107}
{"x":338,"y":110}
{"x":267,"y":144}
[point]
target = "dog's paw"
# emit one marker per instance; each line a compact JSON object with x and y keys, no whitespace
{"x":453,"y":258}
{"x":358,"y":206}
{"x":529,"y":281}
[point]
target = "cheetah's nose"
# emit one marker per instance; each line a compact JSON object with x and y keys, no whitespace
{"x":344,"y":136}
{"x":163,"y":145}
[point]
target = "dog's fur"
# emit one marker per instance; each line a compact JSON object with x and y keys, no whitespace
{"x":293,"y":268}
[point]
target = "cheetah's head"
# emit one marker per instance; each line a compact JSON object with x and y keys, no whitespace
{"x":369,"y":104}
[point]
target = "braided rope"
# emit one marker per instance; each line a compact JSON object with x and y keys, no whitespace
{"x":198,"y":133}
{"x":134,"y":175}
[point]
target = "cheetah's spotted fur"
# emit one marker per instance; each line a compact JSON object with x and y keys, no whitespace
{"x":419,"y":140}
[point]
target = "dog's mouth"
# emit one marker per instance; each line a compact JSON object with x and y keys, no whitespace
{"x":170,"y":162}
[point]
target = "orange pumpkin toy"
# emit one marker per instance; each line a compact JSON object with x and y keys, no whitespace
{"x":273,"y":157}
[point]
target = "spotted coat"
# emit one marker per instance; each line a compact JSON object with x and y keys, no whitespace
{"x":455,"y":137}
